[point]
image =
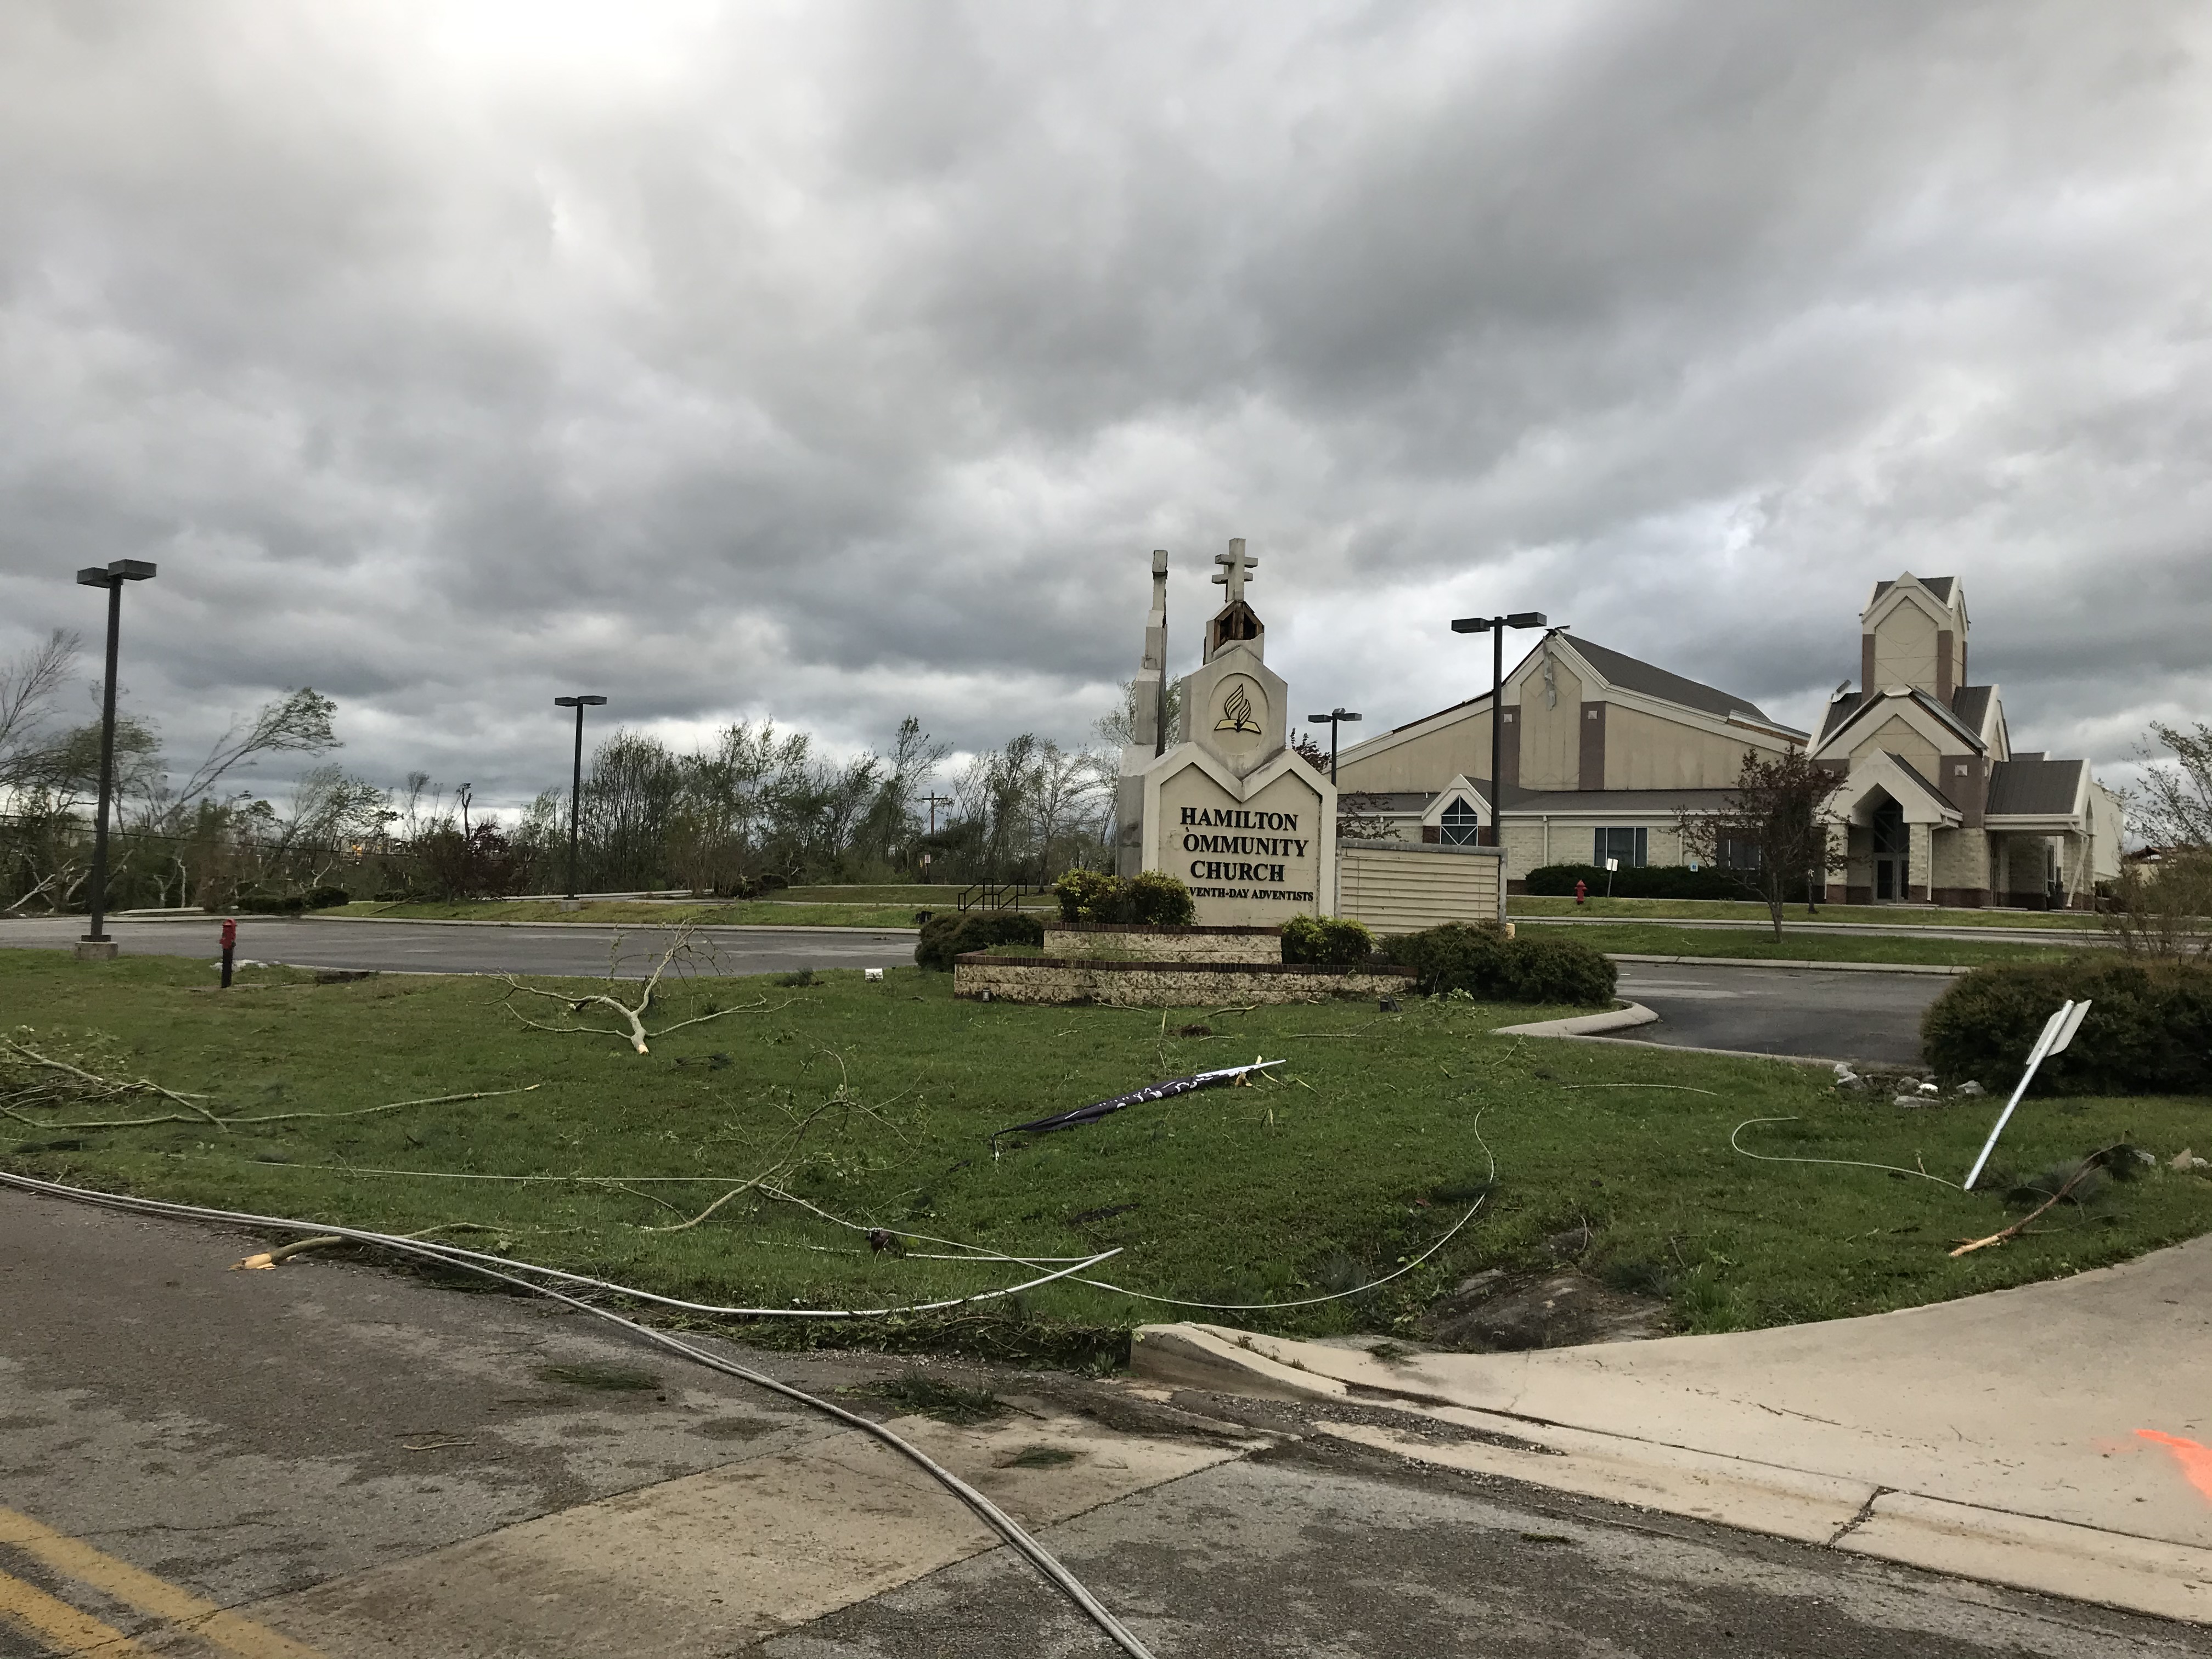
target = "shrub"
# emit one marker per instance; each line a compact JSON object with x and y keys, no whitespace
{"x":1483,"y":962}
{"x":323,"y":898}
{"x":1089,"y":896}
{"x":1333,"y":941}
{"x":944,"y":938}
{"x":1151,"y":898}
{"x":1668,"y":881}
{"x":1156,"y":899}
{"x":2149,"y":1030}
{"x":272,"y":904}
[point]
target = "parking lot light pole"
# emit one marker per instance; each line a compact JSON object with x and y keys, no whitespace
{"x":1333,"y":720}
{"x":576,"y":778}
{"x":112,"y":577}
{"x":1496,"y":627}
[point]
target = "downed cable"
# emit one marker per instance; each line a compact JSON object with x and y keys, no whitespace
{"x":1167,"y":1091}
{"x":992,"y":1515}
{"x":1854,"y":1163}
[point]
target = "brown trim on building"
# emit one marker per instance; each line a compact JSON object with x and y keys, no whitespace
{"x":1962,"y":898}
{"x":1590,"y":773}
{"x":1946,"y":681}
{"x":1866,"y":665}
{"x":1509,"y":751}
{"x":1433,"y":834}
{"x":1858,"y":896}
{"x":1967,"y":790}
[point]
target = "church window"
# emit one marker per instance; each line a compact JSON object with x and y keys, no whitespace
{"x":1631,"y":847}
{"x":1462,"y":826}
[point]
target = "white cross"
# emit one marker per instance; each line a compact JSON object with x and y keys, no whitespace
{"x":1234,"y":563}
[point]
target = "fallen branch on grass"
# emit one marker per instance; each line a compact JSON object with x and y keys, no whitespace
{"x":2088,"y":1167}
{"x":1236,"y":1075}
{"x":73,"y":1085}
{"x":267,"y":1117}
{"x":633,"y":1015}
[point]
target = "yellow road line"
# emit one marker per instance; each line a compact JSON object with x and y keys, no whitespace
{"x":59,"y":1624}
{"x":77,"y":1560}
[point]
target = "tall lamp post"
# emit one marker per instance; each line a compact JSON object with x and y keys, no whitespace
{"x":576,"y":778}
{"x":1496,"y":627}
{"x":95,"y":944}
{"x":1334,"y":719}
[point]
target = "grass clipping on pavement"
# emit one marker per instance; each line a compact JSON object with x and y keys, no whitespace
{"x":875,"y":1102}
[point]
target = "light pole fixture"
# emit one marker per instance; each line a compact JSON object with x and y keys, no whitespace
{"x":110,"y":577}
{"x":576,"y":778}
{"x":1496,"y":627}
{"x":1334,"y":719}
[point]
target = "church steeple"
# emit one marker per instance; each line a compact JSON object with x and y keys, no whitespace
{"x":1236,"y":620}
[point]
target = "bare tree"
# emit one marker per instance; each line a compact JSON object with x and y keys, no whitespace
{"x":299,"y":722}
{"x":29,"y":687}
{"x":2174,"y":807}
{"x":1770,"y":835}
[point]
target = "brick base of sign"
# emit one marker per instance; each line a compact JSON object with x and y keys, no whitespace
{"x":1130,"y":984}
{"x":1130,"y":941}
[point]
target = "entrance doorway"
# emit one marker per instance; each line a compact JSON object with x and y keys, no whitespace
{"x":1892,"y":873}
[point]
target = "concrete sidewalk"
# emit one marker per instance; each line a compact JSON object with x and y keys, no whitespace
{"x":2051,"y":1438}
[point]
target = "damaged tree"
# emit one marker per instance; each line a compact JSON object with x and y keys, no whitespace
{"x":684,"y":951}
{"x":1771,"y":834}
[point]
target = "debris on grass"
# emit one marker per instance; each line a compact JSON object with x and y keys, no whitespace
{"x":684,"y":952}
{"x":1038,"y":1457}
{"x":2078,"y":1183}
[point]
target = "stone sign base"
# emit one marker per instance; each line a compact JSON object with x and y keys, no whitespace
{"x":1120,"y":983}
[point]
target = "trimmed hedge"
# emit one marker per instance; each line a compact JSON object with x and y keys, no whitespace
{"x":1151,"y":898}
{"x":1483,"y":962}
{"x":2149,"y":1030}
{"x":1330,"y":941}
{"x":1672,"y":881}
{"x":946,"y":937}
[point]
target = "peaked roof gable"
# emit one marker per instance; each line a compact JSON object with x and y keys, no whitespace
{"x":1633,"y":674}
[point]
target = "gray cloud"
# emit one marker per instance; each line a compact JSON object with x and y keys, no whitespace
{"x":842,"y":361}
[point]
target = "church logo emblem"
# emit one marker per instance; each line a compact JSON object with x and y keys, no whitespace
{"x":1236,"y":711}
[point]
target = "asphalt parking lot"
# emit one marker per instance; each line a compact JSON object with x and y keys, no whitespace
{"x":1829,"y":1015}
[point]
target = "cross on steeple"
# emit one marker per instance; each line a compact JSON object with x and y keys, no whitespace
{"x":1234,"y":563}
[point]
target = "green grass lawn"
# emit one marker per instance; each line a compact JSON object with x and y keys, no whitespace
{"x":1886,"y":915}
{"x":1656,"y":938}
{"x":880,"y":1098}
{"x":652,"y":913}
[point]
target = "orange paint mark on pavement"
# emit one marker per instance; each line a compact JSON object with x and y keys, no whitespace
{"x":2196,"y":1460}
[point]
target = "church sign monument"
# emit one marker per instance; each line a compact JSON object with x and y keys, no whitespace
{"x":1229,"y":810}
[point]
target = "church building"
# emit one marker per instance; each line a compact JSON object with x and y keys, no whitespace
{"x":1601,"y":752}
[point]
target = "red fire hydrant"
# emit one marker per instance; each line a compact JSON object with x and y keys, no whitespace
{"x":229,"y":947}
{"x":1582,"y":891}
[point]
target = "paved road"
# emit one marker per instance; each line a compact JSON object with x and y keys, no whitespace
{"x":2084,"y":935}
{"x":1771,"y":1010}
{"x":379,"y":1469}
{"x":568,"y":948}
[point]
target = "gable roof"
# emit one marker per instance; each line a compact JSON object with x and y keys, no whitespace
{"x":1841,"y":708}
{"x":1970,"y":703}
{"x":1939,"y":586}
{"x":1632,"y":674}
{"x":1847,"y":712}
{"x":1913,"y":772}
{"x":2030,"y":786}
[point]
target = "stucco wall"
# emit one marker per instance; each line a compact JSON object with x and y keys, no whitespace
{"x":1143,"y":985}
{"x":1647,"y":751}
{"x":1904,"y":650}
{"x":1550,"y":737}
{"x":1395,"y":892}
{"x":1896,"y":735}
{"x":1429,"y":762}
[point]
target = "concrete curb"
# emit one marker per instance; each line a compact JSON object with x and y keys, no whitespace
{"x":697,"y":927}
{"x":1761,"y":962}
{"x":1616,"y":1019}
{"x":1827,"y":1510}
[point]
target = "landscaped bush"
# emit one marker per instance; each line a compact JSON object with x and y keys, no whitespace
{"x":1151,"y":898}
{"x":324,"y":898}
{"x":1483,"y":962}
{"x":270,"y":904}
{"x":2149,"y":1030}
{"x":944,"y":938}
{"x":1668,"y":881}
{"x":1334,"y":941}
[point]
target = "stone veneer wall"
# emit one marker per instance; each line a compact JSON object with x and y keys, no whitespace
{"x":1123,"y":984}
{"x":1127,"y":941}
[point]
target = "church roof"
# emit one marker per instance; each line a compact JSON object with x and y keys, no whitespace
{"x":2030,"y":786}
{"x":1913,"y":772}
{"x":1632,"y":674}
{"x":1939,"y":586}
{"x":1970,"y":703}
{"x":1840,"y":710}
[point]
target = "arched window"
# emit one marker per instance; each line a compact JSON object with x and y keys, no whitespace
{"x":1462,"y":827}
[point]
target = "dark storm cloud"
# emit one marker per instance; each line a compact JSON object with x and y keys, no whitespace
{"x":840,"y":362}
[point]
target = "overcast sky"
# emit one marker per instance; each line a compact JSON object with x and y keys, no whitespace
{"x":837,"y":362}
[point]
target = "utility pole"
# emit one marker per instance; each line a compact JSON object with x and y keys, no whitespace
{"x":933,"y":802}
{"x":96,"y":945}
{"x":1496,"y":627}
